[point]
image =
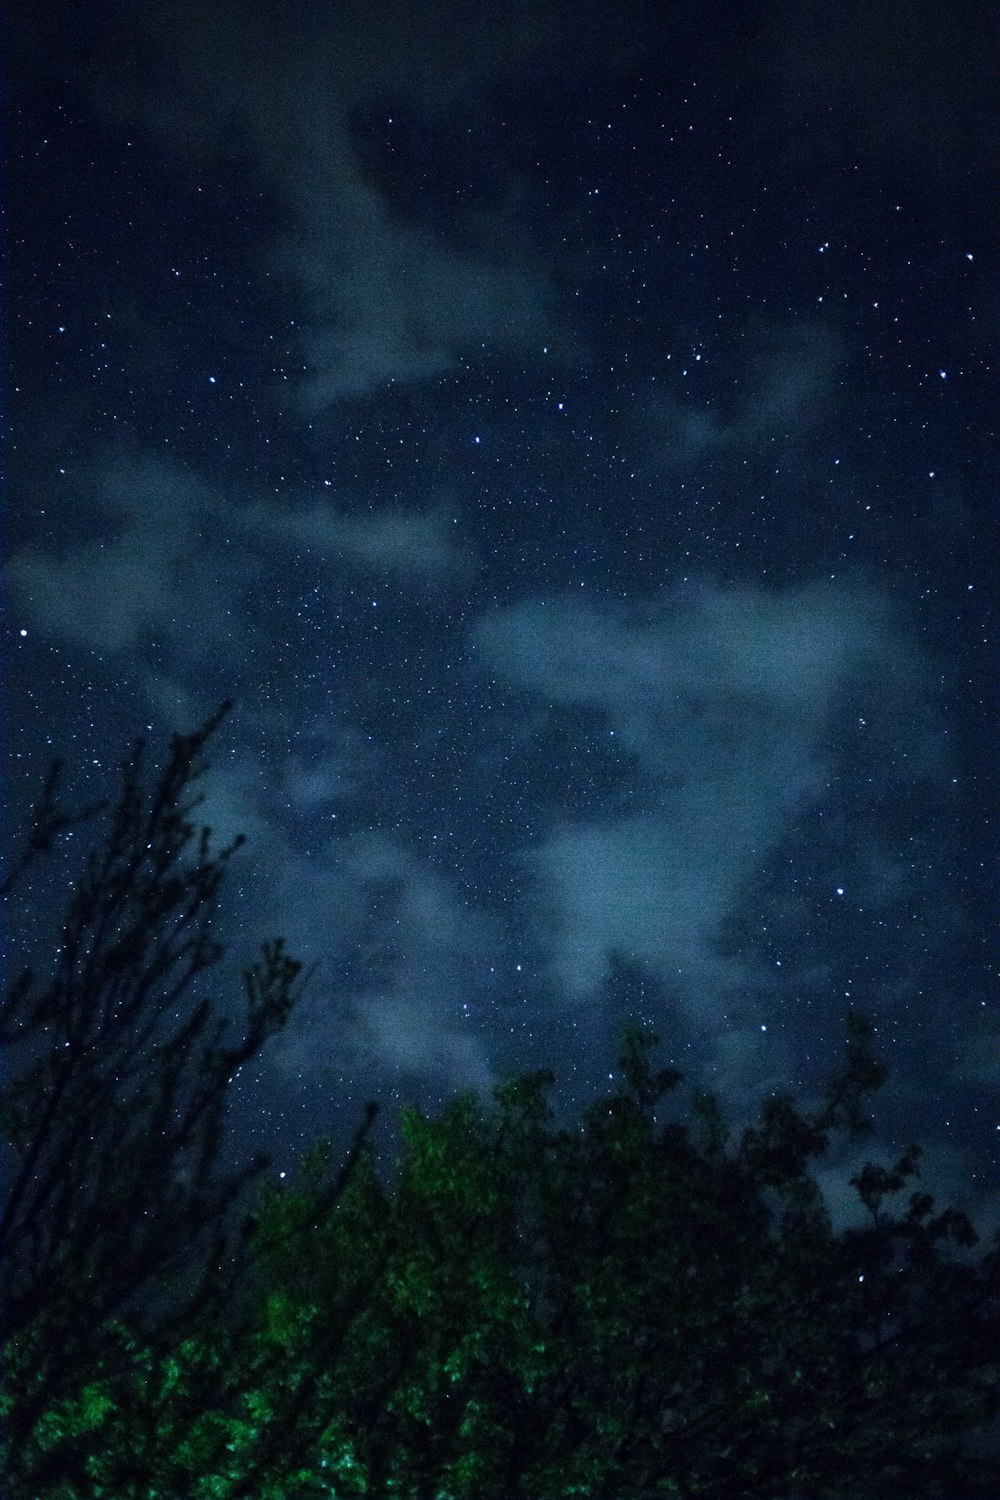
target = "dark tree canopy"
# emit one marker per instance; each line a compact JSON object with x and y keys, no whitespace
{"x":116,"y":1070}
{"x":640,"y":1307}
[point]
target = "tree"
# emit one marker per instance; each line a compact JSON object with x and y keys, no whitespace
{"x":630,"y":1311}
{"x":638,"y":1308}
{"x":112,"y":1108}
{"x":625,"y":1311}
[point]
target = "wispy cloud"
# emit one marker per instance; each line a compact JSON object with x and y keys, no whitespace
{"x":168,"y":558}
{"x":728,"y":699}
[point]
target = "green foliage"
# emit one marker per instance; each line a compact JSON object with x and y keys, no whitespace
{"x":626,"y":1311}
{"x":621,"y":1311}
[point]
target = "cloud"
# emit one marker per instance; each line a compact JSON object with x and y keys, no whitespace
{"x":783,"y":652}
{"x":405,"y":543}
{"x":641,"y":886}
{"x":406,"y":999}
{"x":381,"y":298}
{"x":277,"y":75}
{"x":327,"y":764}
{"x":392,"y":306}
{"x":149,"y":574}
{"x":170,"y":555}
{"x":726,"y":697}
{"x":782,"y":377}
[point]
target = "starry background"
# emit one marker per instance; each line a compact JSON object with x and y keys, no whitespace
{"x":567,"y":432}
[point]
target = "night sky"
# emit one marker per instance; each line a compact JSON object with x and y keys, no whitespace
{"x":567,"y":431}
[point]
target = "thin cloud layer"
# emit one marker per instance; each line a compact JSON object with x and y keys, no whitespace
{"x":728,"y":699}
{"x":379,"y":300}
{"x":173,"y":555}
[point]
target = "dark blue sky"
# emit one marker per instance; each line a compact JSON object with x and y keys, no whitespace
{"x":568,"y":432}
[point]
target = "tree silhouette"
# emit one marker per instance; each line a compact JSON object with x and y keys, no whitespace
{"x":112,"y":1107}
{"x":627,"y":1311}
{"x":623,"y":1311}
